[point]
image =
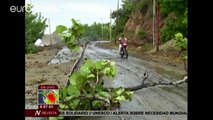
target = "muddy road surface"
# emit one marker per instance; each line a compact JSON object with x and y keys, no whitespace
{"x":158,"y":98}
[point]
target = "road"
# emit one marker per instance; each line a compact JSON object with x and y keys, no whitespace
{"x":130,"y":73}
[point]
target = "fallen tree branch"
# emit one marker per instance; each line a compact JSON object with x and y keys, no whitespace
{"x":76,"y":64}
{"x":146,"y":85}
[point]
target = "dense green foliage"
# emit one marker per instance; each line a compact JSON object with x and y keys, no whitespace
{"x":122,"y":15}
{"x":176,"y":11}
{"x":35,"y":26}
{"x":96,"y":31}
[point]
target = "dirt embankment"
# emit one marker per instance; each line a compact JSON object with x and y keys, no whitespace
{"x":39,"y":72}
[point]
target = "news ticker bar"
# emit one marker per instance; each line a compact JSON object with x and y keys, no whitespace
{"x":45,"y":113}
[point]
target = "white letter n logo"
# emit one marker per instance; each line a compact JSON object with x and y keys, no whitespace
{"x":37,"y":112}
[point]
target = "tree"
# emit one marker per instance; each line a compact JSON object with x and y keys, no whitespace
{"x":176,"y":12}
{"x":94,"y":31}
{"x":35,"y":26}
{"x":121,"y":16}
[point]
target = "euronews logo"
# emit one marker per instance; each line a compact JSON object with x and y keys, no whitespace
{"x":19,"y":9}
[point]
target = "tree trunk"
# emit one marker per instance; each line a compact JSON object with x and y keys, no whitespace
{"x":158,"y":25}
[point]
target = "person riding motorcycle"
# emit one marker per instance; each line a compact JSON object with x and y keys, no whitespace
{"x":122,"y":39}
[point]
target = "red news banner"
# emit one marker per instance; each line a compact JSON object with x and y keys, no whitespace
{"x":48,"y":102}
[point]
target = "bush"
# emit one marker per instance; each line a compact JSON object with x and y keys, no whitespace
{"x":30,"y":48}
{"x":147,"y":46}
{"x":35,"y":26}
{"x":172,"y":26}
{"x":142,"y":33}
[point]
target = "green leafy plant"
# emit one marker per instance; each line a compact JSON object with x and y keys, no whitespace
{"x":181,"y":44}
{"x":86,"y":91}
{"x":71,"y":35}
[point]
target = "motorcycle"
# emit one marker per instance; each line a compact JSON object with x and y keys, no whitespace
{"x":124,"y":50}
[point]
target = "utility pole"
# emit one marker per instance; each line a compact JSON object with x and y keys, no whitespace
{"x":50,"y":32}
{"x":116,"y":29}
{"x":153,"y":24}
{"x":158,"y":25}
{"x":49,"y":26}
{"x":102,"y":34}
{"x":110,"y":29}
{"x":102,"y":27}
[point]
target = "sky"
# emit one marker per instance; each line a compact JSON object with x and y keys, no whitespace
{"x":60,"y":12}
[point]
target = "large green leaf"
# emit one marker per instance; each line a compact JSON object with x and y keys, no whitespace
{"x":67,"y":35}
{"x":74,"y":78}
{"x":97,"y":103}
{"x":75,"y":27}
{"x":121,"y":98}
{"x":104,"y":62}
{"x":81,"y":29}
{"x":85,"y":71}
{"x":68,"y":98}
{"x":74,"y":103}
{"x":128,"y":95}
{"x":88,"y":63}
{"x":74,"y":21}
{"x":78,"y":80}
{"x":119,"y":92}
{"x":104,"y":94}
{"x":63,"y":106}
{"x":106,"y":70}
{"x":99,"y":87}
{"x":61,"y":28}
{"x":76,"y":48}
{"x":64,"y":92}
{"x":113,"y":71}
{"x":73,"y":90}
{"x":99,"y":65}
{"x":72,"y":38}
{"x":91,"y":76}
{"x":71,"y":45}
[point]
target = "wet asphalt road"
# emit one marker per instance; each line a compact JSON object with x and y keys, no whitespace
{"x":130,"y":73}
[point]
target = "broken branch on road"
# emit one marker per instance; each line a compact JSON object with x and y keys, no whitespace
{"x":146,"y":85}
